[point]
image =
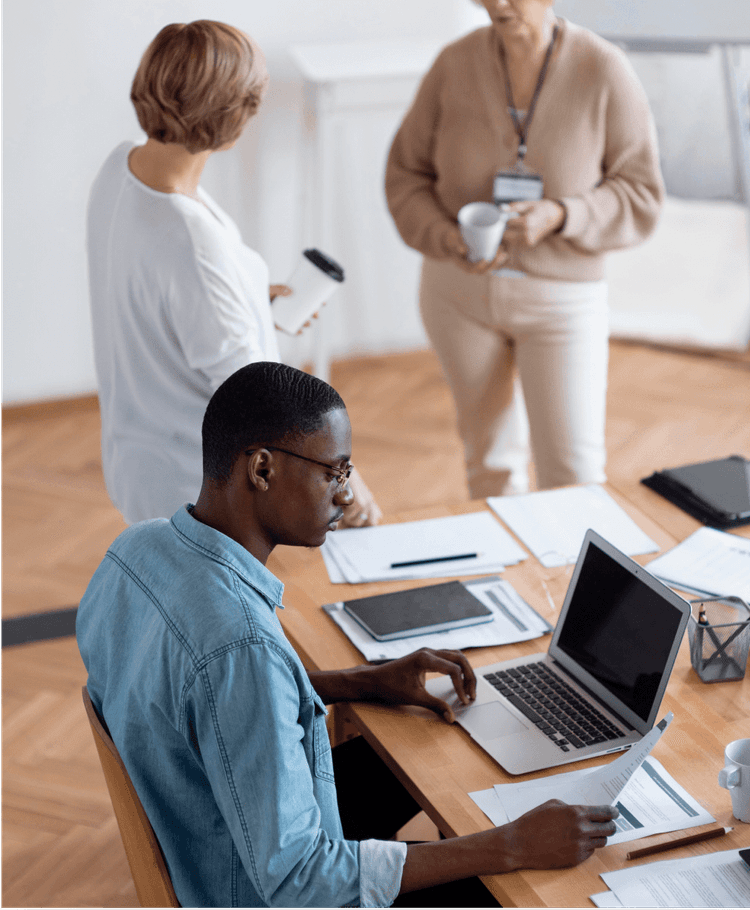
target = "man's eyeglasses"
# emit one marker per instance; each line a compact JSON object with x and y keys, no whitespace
{"x":342,"y":474}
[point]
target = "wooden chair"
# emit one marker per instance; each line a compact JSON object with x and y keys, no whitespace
{"x":147,"y":866}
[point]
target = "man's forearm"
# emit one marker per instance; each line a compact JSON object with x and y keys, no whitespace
{"x":552,"y":836}
{"x":353,"y":684}
{"x":399,"y":682}
{"x":437,"y":862}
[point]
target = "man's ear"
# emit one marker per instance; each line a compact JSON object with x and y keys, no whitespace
{"x":260,"y":469}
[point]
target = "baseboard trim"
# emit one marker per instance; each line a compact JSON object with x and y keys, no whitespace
{"x":736,"y":358}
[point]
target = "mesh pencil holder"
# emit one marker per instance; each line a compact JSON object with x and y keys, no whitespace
{"x":719,"y":632}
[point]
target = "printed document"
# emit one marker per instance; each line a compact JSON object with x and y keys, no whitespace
{"x":713,"y":880}
{"x":553,"y":523}
{"x":709,"y":562}
{"x":473,"y":544}
{"x":652,"y":802}
{"x":513,"y":620}
{"x":649,"y":799}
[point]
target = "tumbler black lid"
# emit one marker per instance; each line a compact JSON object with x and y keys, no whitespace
{"x":325,"y":264}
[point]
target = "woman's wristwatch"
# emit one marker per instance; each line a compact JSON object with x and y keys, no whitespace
{"x":565,"y":215}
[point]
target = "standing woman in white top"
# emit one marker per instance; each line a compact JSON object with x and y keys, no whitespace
{"x":178,"y":301}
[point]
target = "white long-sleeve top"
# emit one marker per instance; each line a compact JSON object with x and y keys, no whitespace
{"x":178,"y":303}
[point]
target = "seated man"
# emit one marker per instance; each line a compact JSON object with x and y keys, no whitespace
{"x":219,"y":725}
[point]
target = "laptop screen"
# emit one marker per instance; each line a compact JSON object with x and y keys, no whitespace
{"x":620,"y":630}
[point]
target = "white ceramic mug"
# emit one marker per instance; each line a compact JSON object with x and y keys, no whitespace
{"x":316,"y":277}
{"x":482,"y":227}
{"x":735,"y":777}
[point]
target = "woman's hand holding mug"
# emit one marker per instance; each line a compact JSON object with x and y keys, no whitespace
{"x":536,"y":220}
{"x":458,"y":253}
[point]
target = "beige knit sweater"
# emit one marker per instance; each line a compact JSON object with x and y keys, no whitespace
{"x":592,"y":139}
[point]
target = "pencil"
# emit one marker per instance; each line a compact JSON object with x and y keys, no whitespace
{"x":679,"y":842}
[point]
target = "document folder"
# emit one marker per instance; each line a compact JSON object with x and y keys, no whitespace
{"x":717,"y":493}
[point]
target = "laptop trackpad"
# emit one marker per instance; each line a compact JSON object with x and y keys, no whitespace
{"x":490,"y":721}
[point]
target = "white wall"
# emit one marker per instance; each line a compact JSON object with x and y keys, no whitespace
{"x":67,"y":73}
{"x":661,"y":18}
{"x":686,"y":90}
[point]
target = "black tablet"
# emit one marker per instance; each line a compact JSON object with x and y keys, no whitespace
{"x":435,"y":608}
{"x":715,"y":492}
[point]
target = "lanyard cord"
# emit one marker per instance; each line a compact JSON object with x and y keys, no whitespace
{"x":522,"y":129}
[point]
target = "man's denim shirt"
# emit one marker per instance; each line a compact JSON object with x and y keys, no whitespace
{"x":218,"y":725}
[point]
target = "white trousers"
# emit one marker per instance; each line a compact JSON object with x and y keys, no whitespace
{"x":490,"y":331}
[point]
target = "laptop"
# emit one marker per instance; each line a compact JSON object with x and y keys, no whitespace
{"x":599,"y":687}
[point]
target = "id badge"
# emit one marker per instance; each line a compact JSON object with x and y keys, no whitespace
{"x":516,"y":186}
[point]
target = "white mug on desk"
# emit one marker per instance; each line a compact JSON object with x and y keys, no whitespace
{"x":735,"y":777}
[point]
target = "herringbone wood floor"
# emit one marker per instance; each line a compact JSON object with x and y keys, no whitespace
{"x":60,"y":841}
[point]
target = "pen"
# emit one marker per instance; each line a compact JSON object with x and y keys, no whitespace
{"x":680,"y":842}
{"x":424,"y":562}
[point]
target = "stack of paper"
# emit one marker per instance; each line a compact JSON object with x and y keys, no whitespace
{"x":472,"y":544}
{"x":709,"y":562}
{"x":714,"y":880}
{"x":553,"y":523}
{"x":513,"y":620}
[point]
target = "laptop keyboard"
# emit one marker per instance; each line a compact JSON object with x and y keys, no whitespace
{"x":553,"y":706}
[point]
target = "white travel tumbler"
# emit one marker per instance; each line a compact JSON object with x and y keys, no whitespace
{"x":316,"y":277}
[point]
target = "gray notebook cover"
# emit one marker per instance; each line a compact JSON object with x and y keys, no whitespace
{"x":415,"y":611}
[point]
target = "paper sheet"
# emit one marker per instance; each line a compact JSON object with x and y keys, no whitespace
{"x":652,"y":802}
{"x":510,"y":611}
{"x":602,"y":785}
{"x":553,"y":523}
{"x":605,"y":899}
{"x":714,"y":880}
{"x":709,"y":562}
{"x":356,"y":555}
{"x":591,"y":787}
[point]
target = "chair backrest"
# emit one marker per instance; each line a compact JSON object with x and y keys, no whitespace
{"x":147,"y":866}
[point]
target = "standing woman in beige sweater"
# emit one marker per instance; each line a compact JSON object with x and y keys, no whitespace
{"x":546,"y":116}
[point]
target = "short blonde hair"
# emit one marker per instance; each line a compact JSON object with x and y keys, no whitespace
{"x":198,"y":84}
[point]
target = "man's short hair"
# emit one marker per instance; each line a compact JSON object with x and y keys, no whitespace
{"x":198,"y":84}
{"x":262,"y":404}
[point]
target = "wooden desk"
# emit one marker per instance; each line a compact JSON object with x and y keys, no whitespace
{"x":440,"y":764}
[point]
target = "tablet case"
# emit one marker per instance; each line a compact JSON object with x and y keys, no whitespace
{"x":434,"y":608}
{"x":717,"y":492}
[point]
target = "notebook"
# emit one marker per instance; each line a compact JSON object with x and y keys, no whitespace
{"x":613,"y":648}
{"x":434,"y":608}
{"x":717,"y":492}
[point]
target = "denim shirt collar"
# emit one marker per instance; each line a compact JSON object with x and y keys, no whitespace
{"x":227,"y":551}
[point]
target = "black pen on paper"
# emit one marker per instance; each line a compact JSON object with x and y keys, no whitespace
{"x":424,"y":562}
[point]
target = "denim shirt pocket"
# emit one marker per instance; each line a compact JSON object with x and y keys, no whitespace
{"x":323,"y":759}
